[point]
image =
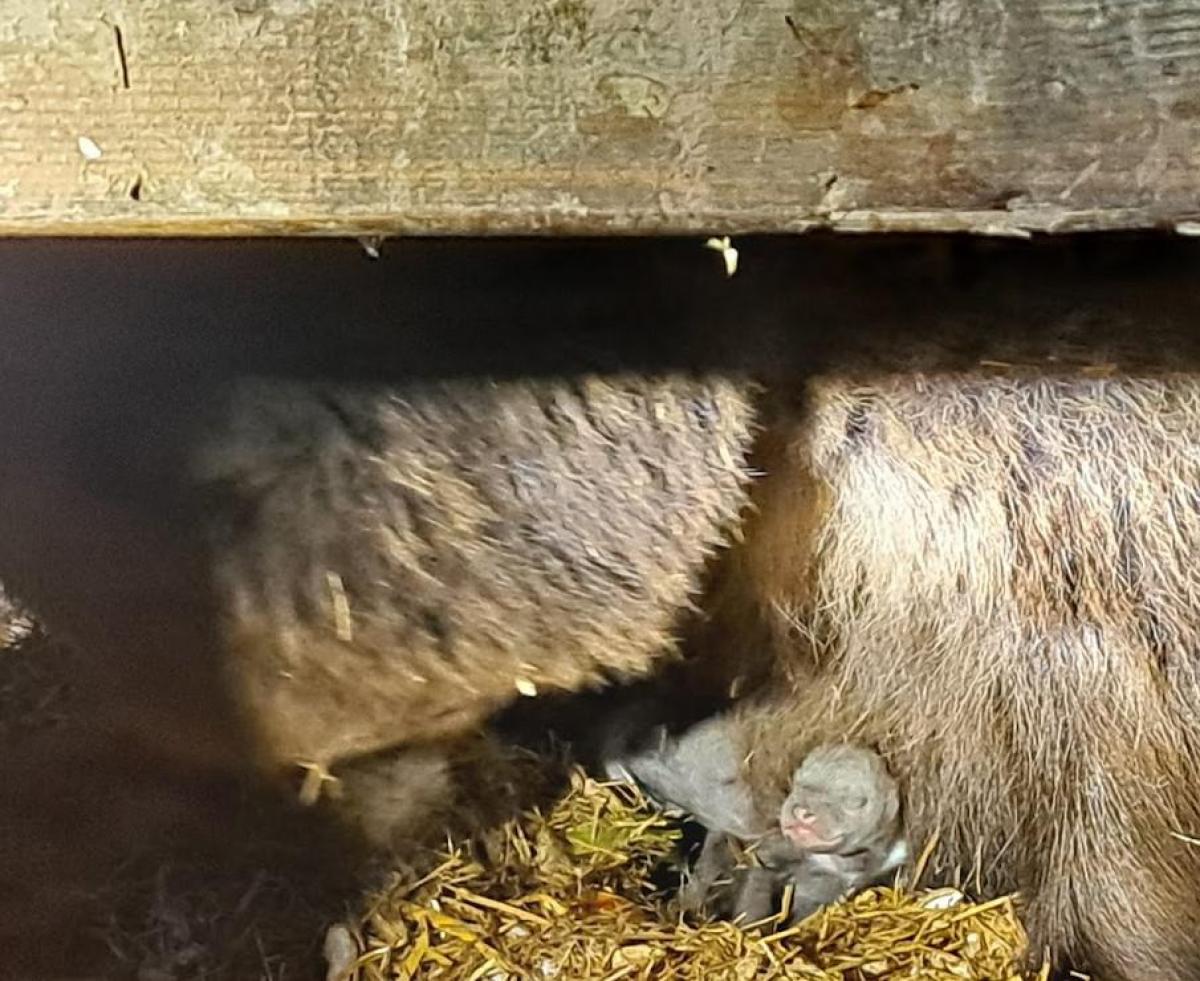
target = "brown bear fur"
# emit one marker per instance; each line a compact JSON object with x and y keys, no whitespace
{"x":993,"y":579}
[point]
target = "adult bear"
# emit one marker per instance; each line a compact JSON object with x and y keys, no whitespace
{"x":975,"y":550}
{"x":299,"y":509}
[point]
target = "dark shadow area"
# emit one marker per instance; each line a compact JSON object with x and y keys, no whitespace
{"x":442,"y":308}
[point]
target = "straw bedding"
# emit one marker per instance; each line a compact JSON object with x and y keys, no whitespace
{"x":576,"y":893}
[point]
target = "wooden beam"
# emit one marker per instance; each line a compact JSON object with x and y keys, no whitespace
{"x":597,"y":116}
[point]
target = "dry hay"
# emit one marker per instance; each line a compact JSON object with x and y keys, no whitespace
{"x":16,"y":625}
{"x":569,"y":894}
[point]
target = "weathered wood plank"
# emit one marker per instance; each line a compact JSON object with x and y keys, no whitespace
{"x":478,"y":116}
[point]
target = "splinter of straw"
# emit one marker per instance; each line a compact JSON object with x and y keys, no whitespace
{"x":315,"y":777}
{"x":341,"y":607}
{"x":923,"y":860}
{"x":1186,"y":839}
{"x":728,"y":252}
{"x":494,"y":904}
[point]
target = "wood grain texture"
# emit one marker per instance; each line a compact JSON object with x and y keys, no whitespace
{"x":478,"y":116}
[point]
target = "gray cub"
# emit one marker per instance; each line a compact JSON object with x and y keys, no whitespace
{"x":838,"y":830}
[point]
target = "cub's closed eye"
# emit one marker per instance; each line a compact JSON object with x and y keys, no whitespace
{"x":858,"y":803}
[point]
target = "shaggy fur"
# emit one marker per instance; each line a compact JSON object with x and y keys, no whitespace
{"x":995,"y":581}
{"x":394,"y":564}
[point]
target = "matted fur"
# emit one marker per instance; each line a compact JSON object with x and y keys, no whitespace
{"x":394,"y":563}
{"x":999,"y":586}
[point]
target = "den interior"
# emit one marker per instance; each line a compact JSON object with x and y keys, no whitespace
{"x":788,"y":408}
{"x":939,"y":500}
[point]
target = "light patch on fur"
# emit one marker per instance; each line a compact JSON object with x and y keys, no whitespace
{"x":341,"y":951}
{"x":896,"y":857}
